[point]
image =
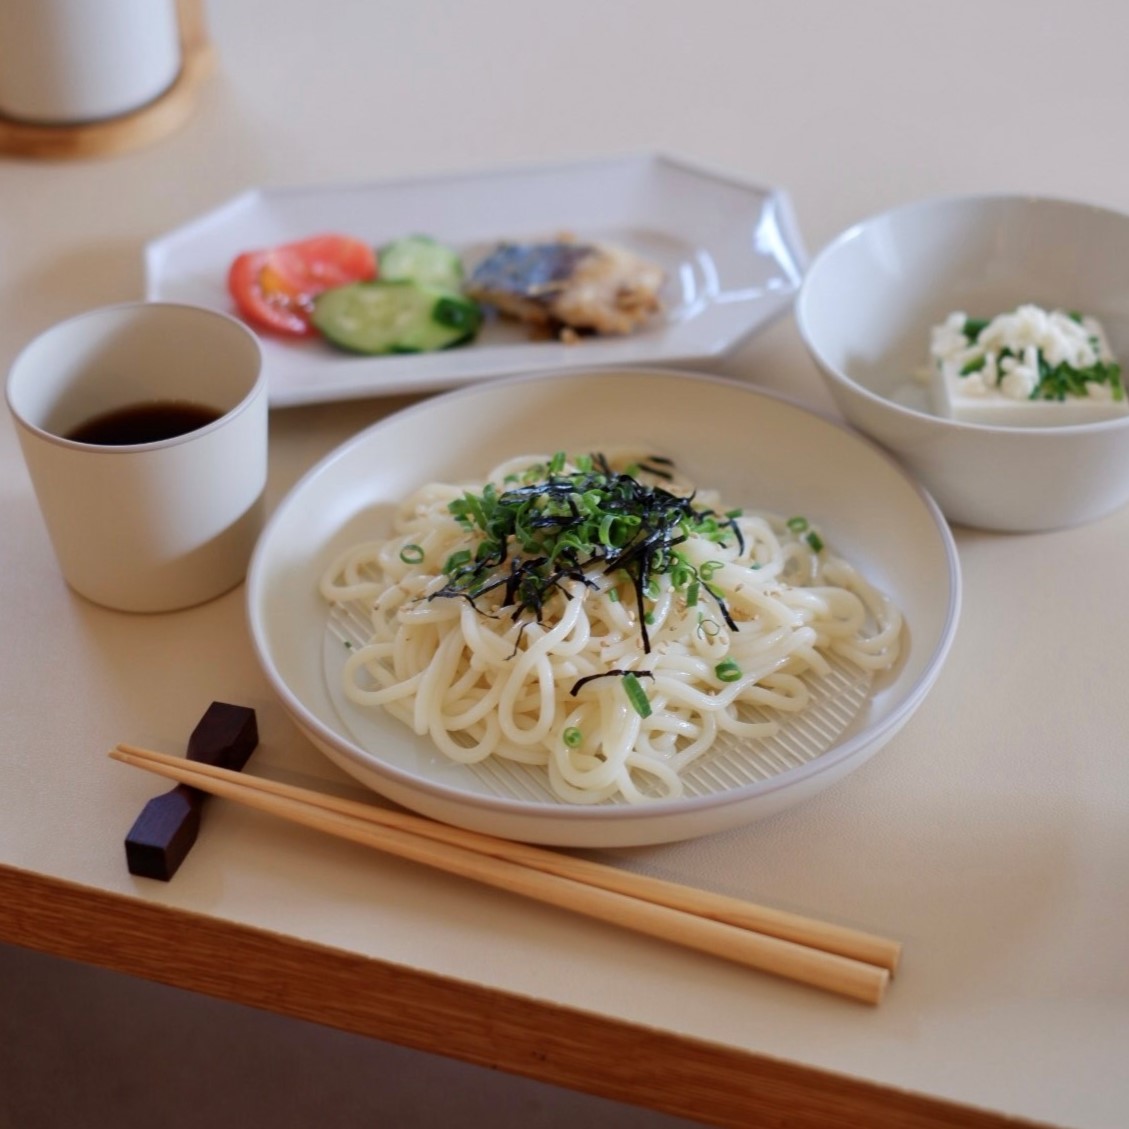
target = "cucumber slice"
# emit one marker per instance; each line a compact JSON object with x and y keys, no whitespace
{"x":394,"y":317}
{"x":419,"y":258}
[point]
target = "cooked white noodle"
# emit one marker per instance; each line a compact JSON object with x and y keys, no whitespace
{"x":481,"y":682}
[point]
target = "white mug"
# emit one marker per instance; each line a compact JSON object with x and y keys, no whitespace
{"x":74,"y":61}
{"x":142,"y":523}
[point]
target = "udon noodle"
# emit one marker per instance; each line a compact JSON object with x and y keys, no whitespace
{"x":570,"y":643}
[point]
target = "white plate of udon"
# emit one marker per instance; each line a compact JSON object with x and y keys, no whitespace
{"x":798,"y":612}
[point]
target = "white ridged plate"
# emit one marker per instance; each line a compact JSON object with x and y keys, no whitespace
{"x":731,"y":251}
{"x":757,"y":450}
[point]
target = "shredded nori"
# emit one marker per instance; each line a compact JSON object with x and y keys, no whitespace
{"x":607,"y":674}
{"x":555,"y":526}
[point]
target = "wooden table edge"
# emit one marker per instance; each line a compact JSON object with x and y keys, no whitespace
{"x":521,"y":1035}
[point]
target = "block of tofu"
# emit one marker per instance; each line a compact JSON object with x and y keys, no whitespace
{"x":1028,"y":368}
{"x":970,"y":401}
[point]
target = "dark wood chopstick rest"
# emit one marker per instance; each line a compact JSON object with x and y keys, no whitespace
{"x":163,"y":834}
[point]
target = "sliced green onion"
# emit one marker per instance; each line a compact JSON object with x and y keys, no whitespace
{"x":692,"y":594}
{"x":1063,"y":380}
{"x":411,"y":554}
{"x":727,"y":671}
{"x":814,"y":540}
{"x":528,"y":539}
{"x":636,"y":695}
{"x":457,"y":560}
{"x":708,"y":627}
{"x":613,"y":595}
{"x":681,"y":575}
{"x":572,"y":737}
{"x":797,"y":524}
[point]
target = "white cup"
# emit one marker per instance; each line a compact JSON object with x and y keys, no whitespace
{"x":156,"y":525}
{"x":72,"y":61}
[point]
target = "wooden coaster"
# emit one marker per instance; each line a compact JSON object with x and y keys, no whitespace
{"x":154,"y":120}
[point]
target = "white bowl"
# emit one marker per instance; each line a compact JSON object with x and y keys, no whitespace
{"x":871,"y":297}
{"x":754,"y":448}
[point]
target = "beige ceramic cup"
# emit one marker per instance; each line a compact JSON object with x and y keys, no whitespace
{"x":73,"y":61}
{"x":146,"y":526}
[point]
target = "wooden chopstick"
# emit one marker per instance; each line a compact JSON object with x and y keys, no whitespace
{"x":722,"y":926}
{"x":746,"y":915}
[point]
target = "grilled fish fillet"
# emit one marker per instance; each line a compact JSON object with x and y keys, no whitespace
{"x":592,"y":287}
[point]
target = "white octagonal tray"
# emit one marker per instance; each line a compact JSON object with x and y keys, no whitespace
{"x":731,"y":252}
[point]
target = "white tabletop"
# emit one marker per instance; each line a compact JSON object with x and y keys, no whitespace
{"x":991,"y":835}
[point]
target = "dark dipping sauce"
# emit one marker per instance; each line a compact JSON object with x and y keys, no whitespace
{"x":144,"y":423}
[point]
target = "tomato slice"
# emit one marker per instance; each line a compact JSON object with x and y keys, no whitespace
{"x":274,"y":289}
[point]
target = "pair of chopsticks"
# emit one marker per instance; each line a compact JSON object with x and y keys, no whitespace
{"x":830,"y":957}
